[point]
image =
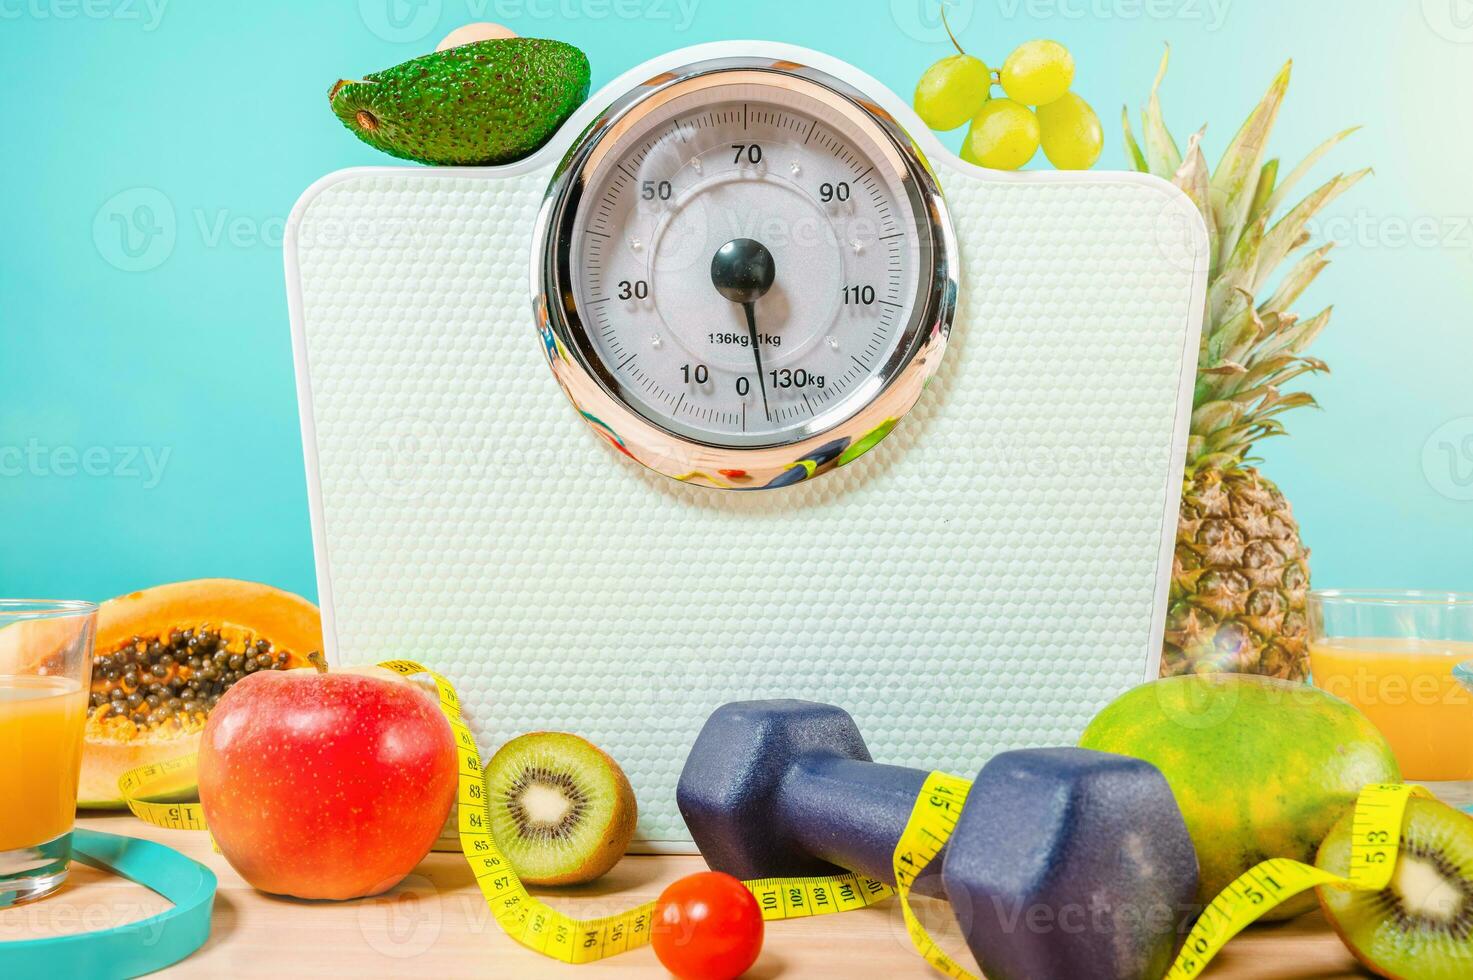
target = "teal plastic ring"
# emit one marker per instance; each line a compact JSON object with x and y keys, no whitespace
{"x":139,"y":947}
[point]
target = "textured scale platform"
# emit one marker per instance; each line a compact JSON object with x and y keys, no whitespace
{"x":985,"y":579}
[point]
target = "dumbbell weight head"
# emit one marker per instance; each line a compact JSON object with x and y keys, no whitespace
{"x":1070,"y":863}
{"x":787,"y":788}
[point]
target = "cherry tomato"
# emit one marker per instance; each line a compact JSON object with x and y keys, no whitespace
{"x":707,"y":927}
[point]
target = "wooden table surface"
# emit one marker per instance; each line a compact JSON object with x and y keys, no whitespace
{"x":435,"y":923}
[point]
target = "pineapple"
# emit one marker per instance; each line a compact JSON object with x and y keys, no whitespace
{"x":1241,"y":572}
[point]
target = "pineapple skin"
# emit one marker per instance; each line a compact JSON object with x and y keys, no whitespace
{"x":1239,"y":580}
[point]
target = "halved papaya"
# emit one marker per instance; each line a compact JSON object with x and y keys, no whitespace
{"x":164,"y":658}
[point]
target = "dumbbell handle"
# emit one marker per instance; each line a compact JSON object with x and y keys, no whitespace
{"x":852,"y":813}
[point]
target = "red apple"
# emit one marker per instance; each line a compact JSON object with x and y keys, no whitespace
{"x":324,"y":785}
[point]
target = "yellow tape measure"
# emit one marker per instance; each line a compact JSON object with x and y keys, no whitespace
{"x":526,"y":919}
{"x":533,"y":923}
{"x":1375,"y":841}
{"x":172,"y":816}
{"x":932,"y":819}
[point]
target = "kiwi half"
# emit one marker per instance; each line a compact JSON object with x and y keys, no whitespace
{"x":1420,"y":927}
{"x":562,"y":811}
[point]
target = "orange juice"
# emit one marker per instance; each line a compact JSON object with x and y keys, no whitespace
{"x":41,"y":721}
{"x":1406,"y":687}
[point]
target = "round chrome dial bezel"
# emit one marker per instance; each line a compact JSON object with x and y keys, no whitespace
{"x":819,"y":443}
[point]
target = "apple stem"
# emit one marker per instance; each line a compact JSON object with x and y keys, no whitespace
{"x":316,"y":659}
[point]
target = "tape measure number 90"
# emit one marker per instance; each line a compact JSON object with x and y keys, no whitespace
{"x":1376,"y":838}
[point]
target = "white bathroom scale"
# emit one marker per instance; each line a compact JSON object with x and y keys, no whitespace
{"x":742,"y":387}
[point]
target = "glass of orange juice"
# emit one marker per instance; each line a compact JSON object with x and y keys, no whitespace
{"x":45,"y":677}
{"x":1393,"y":655}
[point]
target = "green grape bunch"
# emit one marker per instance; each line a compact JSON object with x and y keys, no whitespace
{"x":1037,"y":110}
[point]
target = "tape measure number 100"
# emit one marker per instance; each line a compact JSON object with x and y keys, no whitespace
{"x":535,"y":924}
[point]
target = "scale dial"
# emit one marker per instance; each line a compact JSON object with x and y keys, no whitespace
{"x":743,"y":263}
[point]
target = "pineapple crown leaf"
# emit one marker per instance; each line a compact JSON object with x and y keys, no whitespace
{"x":1290,"y":233}
{"x":1194,"y":180}
{"x":1295,"y":340}
{"x":1273,"y":371}
{"x":1251,"y":346}
{"x":1162,"y":152}
{"x":1137,"y":158}
{"x":1232,"y":289}
{"x":1276,"y":199}
{"x":1284,"y":370}
{"x":1214,"y":461}
{"x":1266,"y":187}
{"x":1235,"y":182}
{"x":1231,"y":341}
{"x":1297,"y":280}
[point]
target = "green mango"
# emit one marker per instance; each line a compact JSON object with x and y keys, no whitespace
{"x":1261,"y":768}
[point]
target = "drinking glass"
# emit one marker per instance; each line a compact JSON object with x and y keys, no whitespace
{"x":1396,"y":656}
{"x":45,"y":678}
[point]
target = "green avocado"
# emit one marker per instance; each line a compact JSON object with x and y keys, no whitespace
{"x":488,"y":102}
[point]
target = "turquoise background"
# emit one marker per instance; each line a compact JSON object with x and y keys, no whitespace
{"x":148,"y":426}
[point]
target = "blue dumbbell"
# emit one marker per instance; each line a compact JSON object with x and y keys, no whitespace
{"x":1064,"y":863}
